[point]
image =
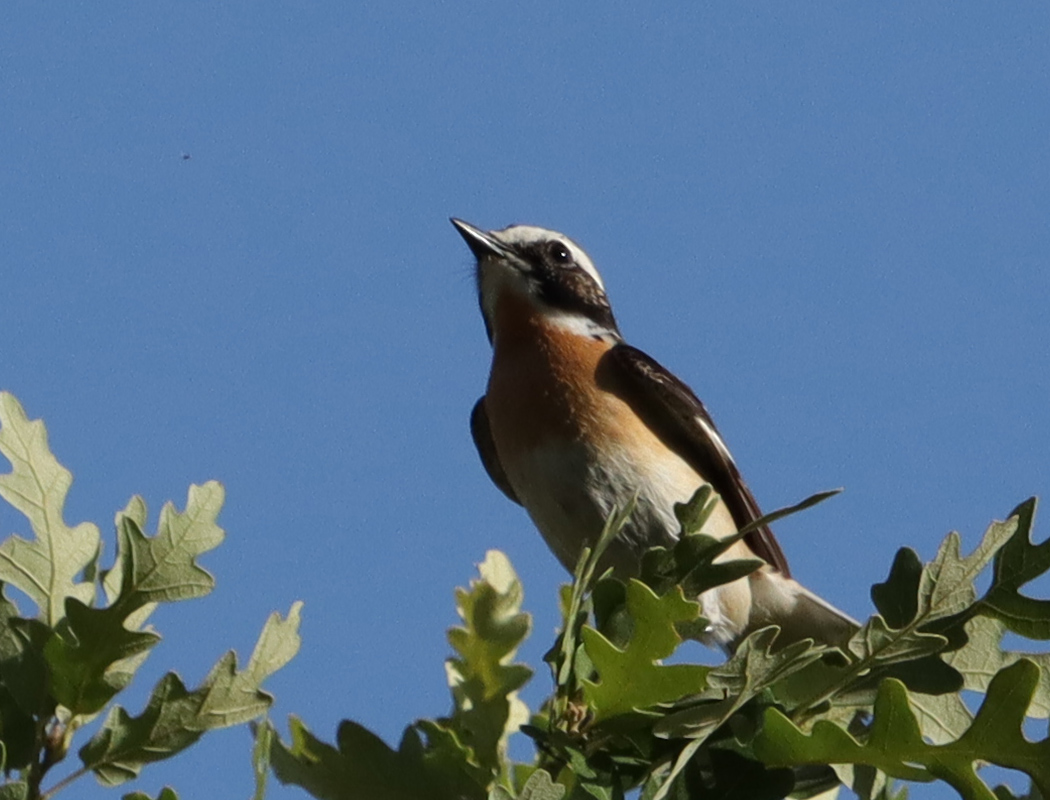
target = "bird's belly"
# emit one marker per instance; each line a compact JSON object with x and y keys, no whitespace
{"x":570,"y":490}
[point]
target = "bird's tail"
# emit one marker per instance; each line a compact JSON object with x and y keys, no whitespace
{"x":801,"y":614}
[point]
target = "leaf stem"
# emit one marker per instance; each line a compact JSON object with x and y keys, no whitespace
{"x":62,"y":784}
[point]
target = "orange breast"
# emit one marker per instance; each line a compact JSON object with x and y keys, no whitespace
{"x":543,"y":384}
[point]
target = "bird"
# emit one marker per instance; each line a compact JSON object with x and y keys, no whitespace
{"x":576,"y":423}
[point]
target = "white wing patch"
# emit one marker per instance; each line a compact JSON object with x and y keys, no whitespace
{"x":712,"y":434}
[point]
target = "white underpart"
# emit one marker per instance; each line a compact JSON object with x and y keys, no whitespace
{"x":568,"y":491}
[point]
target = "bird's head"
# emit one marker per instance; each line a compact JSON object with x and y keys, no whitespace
{"x":543,"y":269}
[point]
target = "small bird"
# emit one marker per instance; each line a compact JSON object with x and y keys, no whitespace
{"x":575,"y":422}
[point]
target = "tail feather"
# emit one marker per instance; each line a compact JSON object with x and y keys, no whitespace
{"x":801,"y":614}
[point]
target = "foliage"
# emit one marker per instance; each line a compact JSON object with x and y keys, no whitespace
{"x":62,"y":668}
{"x":457,"y":756}
{"x":771,"y":721}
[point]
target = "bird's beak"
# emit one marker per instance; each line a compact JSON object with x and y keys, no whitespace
{"x":481,"y":243}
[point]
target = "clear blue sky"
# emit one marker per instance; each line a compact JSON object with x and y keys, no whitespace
{"x":830,"y":219}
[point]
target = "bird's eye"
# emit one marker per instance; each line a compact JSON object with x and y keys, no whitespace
{"x":559,"y":253}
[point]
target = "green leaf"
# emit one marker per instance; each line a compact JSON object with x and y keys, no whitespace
{"x":898,"y":598}
{"x":629,"y":678}
{"x":787,"y":511}
{"x":125,"y":744}
{"x":944,"y":595}
{"x":539,"y":786}
{"x":14,"y":790}
{"x":760,"y":663}
{"x":1018,"y":563}
{"x":1004,"y":793}
{"x":95,"y":653}
{"x":731,"y":776}
{"x":447,"y":759}
{"x":691,"y":562}
{"x":483,"y":681}
{"x":693,"y":514}
{"x":79,"y":656}
{"x":896,"y":746}
{"x":264,"y":739}
{"x":46,"y":568}
{"x":17,"y":733}
{"x":756,"y":666}
{"x":167,"y":793}
{"x":175,"y":717}
{"x":361,"y":767}
{"x":234,"y":697}
{"x":575,"y":603}
{"x":880,"y":645}
{"x":22,"y":669}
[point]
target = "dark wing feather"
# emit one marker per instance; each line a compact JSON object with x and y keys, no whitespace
{"x":677,"y":416}
{"x":482,"y":433}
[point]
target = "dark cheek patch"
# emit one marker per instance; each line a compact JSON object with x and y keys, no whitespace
{"x":573,"y":290}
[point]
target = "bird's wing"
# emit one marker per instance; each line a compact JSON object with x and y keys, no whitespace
{"x":677,"y":416}
{"x":482,"y":434}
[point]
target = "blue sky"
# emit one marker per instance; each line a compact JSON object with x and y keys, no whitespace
{"x":830,"y":220}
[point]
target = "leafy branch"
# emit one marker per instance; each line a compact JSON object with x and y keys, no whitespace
{"x":62,"y":667}
{"x":770,"y":721}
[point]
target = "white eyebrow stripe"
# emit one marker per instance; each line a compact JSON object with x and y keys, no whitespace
{"x":530,"y":234}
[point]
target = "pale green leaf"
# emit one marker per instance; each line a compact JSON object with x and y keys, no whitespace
{"x":943,"y":718}
{"x":97,"y":652}
{"x":46,"y":568}
{"x":983,"y":657}
{"x":483,"y":679}
{"x":162,"y":568}
{"x":233,"y":696}
{"x":946,"y":586}
{"x":539,"y":786}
